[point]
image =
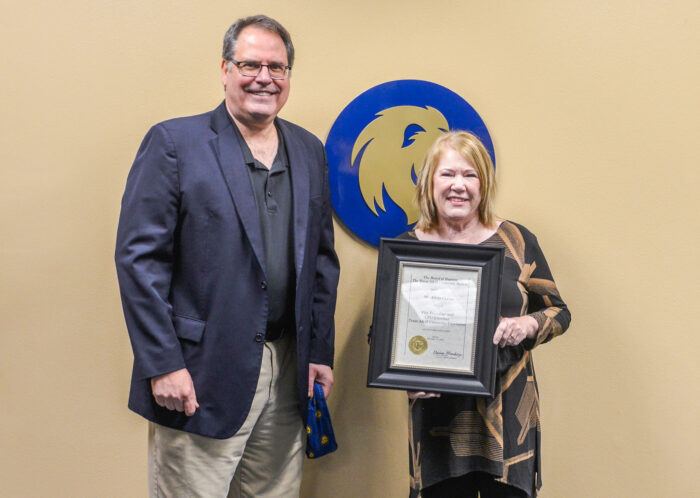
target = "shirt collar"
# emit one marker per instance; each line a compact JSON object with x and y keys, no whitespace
{"x":280,"y":158}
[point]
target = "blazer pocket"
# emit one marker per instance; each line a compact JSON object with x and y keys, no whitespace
{"x":188,"y":328}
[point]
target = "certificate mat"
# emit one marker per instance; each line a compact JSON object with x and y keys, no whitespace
{"x":436,"y":315}
{"x":436,"y":308}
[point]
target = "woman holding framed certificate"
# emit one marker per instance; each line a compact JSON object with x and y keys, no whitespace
{"x":464,"y":445}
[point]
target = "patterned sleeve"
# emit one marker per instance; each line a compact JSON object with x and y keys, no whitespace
{"x":544,"y":302}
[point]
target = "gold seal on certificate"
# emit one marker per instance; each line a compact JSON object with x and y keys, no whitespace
{"x":418,"y":344}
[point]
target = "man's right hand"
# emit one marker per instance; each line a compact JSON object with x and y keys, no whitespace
{"x":175,"y":391}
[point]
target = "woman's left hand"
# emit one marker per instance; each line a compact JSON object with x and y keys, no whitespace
{"x":513,"y":331}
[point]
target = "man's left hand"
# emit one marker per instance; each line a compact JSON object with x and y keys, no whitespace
{"x":321,"y":374}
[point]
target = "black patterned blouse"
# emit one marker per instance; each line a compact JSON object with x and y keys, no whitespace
{"x":453,"y":435}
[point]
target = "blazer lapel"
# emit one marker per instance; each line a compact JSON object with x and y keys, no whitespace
{"x":300,"y":193}
{"x":233,"y":168}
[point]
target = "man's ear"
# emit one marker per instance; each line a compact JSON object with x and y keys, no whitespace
{"x":224,"y":72}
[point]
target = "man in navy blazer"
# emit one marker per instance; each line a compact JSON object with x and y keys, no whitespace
{"x":228,"y":280}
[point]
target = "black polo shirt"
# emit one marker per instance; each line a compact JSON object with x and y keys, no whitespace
{"x":273,"y":197}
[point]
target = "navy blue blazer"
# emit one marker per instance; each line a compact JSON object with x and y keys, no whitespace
{"x":191,"y":268}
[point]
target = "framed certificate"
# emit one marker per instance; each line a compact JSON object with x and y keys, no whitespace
{"x":436,"y":307}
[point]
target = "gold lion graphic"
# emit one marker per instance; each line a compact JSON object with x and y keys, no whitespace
{"x":386,"y":163}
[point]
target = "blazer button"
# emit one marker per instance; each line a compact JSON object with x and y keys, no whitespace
{"x":263,"y":284}
{"x":259,"y":337}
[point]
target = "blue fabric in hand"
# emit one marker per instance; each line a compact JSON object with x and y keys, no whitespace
{"x":320,"y":439}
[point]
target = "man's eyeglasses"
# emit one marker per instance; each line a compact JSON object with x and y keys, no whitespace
{"x":251,"y":69}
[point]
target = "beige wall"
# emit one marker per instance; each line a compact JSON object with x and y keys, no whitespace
{"x":594,"y":111}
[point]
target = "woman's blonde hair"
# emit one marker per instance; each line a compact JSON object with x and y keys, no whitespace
{"x":470,"y":148}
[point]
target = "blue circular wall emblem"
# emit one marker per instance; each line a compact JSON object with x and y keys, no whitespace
{"x":377,"y":144}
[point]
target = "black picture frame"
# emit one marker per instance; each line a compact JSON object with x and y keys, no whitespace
{"x":477,"y":375}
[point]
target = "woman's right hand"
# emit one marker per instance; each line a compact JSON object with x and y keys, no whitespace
{"x":421,"y":395}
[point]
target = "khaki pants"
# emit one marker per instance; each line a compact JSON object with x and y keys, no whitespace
{"x":263,"y":459}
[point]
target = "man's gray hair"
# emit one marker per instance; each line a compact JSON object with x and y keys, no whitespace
{"x":231,"y":36}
